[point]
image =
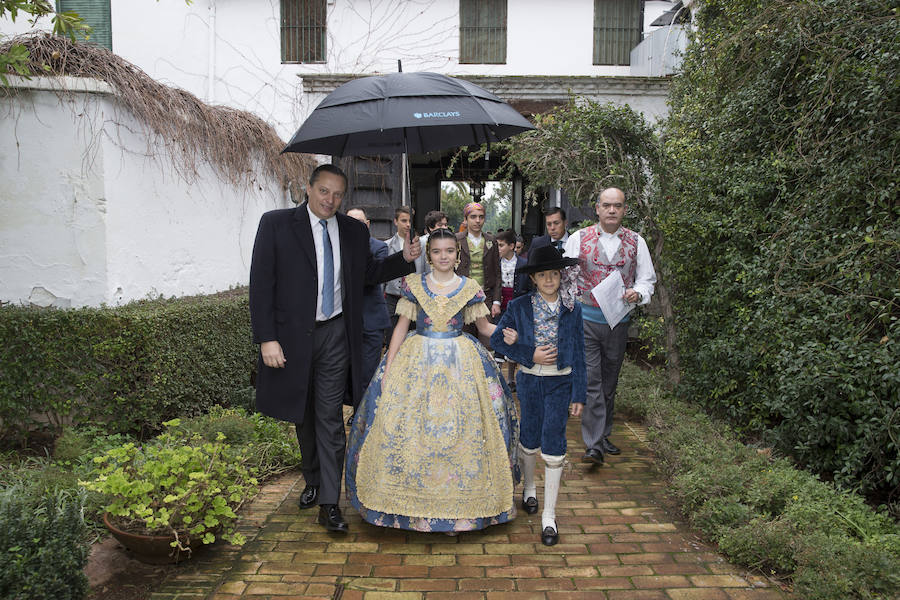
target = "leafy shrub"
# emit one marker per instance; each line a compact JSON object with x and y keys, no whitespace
{"x":43,"y":541}
{"x":830,"y":568}
{"x":781,"y":229}
{"x":269,"y":446}
{"x":764,"y":544}
{"x":763,"y":512}
{"x":79,"y":444}
{"x":190,"y":488}
{"x":130,"y":367}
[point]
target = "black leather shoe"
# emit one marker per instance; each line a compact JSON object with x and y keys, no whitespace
{"x":330,"y":517}
{"x":609,"y":448}
{"x":549,"y":537}
{"x":530,"y":505}
{"x":593,"y":456}
{"x":309,"y":497}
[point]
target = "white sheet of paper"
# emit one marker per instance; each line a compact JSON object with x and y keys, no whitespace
{"x":608,"y":294}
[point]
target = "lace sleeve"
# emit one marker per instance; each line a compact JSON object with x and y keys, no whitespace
{"x":406,"y":308}
{"x":473,"y":311}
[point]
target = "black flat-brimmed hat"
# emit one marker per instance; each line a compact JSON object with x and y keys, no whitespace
{"x":546,"y":258}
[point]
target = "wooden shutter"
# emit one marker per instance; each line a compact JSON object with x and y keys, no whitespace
{"x":617,"y":29}
{"x":95,"y":13}
{"x":303,"y":31}
{"x":482,"y":31}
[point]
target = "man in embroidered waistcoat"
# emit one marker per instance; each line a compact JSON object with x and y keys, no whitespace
{"x":602,"y":249}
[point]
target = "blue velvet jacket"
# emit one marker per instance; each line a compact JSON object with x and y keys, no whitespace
{"x":519,"y":315}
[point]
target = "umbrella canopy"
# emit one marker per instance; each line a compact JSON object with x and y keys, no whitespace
{"x":410,"y":113}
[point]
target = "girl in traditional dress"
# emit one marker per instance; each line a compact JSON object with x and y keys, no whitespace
{"x":433,"y":443}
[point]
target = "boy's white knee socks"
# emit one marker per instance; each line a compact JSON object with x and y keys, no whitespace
{"x":552,"y":475}
{"x":527,"y":459}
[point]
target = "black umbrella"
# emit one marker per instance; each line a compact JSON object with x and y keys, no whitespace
{"x":405,"y":113}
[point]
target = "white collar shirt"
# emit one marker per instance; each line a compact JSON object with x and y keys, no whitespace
{"x":508,"y":271}
{"x":335,"y":239}
{"x":474,"y":241}
{"x":563,"y":239}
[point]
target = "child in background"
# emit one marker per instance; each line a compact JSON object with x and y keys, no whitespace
{"x":551,"y":380}
{"x":433,"y":443}
{"x":514,"y":283}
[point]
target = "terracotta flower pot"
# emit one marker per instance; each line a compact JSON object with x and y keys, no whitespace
{"x":153,"y":549}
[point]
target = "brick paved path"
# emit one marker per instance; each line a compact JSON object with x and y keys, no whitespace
{"x":617,"y":542}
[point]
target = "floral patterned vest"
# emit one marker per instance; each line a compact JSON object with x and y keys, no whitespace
{"x":595,"y":266}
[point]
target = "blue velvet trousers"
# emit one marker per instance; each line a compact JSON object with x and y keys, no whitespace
{"x":544,"y":404}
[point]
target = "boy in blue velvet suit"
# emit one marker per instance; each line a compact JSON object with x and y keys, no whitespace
{"x":551,"y":380}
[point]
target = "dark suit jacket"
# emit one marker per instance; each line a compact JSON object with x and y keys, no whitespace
{"x":490,"y":263}
{"x":522,"y":282}
{"x":519,"y":315}
{"x":375,"y":312}
{"x":283,"y":292}
{"x":543,"y":240}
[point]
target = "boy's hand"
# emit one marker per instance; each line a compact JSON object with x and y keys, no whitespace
{"x":545,"y":355}
{"x":510,"y":336}
{"x":575,"y":409}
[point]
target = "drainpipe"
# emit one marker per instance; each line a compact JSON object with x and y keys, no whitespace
{"x":211,"y":54}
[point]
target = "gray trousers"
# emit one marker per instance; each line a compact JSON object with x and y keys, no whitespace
{"x":604,"y":352}
{"x":322,"y":438}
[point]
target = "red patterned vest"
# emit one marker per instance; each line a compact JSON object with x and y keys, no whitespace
{"x":595,"y":266}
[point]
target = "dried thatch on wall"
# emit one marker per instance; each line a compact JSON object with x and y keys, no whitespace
{"x":230,"y":139}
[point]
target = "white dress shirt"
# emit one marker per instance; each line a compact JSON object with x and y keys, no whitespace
{"x":645,"y":274}
{"x":508,"y":271}
{"x":334,"y":236}
{"x":563,"y":239}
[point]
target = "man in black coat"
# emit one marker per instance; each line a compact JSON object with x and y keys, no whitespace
{"x":307,"y":275}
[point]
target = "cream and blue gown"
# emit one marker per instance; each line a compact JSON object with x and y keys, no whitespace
{"x":432,"y":446}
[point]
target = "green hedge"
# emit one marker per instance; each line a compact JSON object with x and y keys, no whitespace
{"x":43,"y":541}
{"x":132,"y":367}
{"x":782,"y":228}
{"x":761,"y":511}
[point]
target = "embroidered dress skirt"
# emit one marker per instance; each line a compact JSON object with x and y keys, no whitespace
{"x":432,"y":446}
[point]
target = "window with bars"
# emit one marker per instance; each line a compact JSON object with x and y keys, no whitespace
{"x":482,"y":32}
{"x":96,"y":14}
{"x":617,"y":29}
{"x":303,"y":31}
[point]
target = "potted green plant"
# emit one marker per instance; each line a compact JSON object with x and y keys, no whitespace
{"x":184,"y":492}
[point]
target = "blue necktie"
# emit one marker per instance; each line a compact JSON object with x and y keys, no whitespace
{"x":328,"y":272}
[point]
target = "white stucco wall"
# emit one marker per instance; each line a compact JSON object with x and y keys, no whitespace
{"x":94,"y":212}
{"x":228,"y":52}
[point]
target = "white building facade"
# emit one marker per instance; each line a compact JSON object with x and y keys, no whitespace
{"x":87,"y":218}
{"x":256,"y":54}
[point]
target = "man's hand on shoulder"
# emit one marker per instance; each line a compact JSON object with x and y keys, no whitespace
{"x":272,"y":354}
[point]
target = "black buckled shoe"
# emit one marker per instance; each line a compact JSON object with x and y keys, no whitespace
{"x":609,"y":447}
{"x":593,"y":456}
{"x":530,"y":505}
{"x":309,"y":497}
{"x":549,"y":537}
{"x":330,"y":517}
